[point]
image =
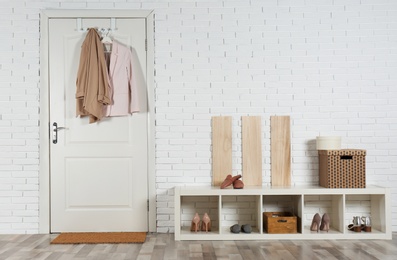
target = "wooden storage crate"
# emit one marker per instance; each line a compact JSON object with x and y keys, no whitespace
{"x":279,"y":223}
{"x":342,"y":168}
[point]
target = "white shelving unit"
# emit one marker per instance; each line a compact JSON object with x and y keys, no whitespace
{"x":245,"y":206}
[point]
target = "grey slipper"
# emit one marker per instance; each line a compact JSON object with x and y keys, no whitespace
{"x":235,"y":229}
{"x":246,"y":228}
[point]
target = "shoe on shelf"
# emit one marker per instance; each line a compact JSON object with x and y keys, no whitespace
{"x":357,"y":225}
{"x":229,"y":180}
{"x":235,"y":229}
{"x":325,"y":221}
{"x":366,"y":222}
{"x":238,"y":184}
{"x":246,"y":228}
{"x":206,"y":223}
{"x":351,"y":227}
{"x":195,"y":223}
{"x":315,"y":222}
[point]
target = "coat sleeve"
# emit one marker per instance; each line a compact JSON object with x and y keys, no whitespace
{"x":81,"y":79}
{"x":81,"y":74}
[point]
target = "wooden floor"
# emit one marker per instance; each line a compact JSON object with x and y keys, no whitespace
{"x":163,"y":246}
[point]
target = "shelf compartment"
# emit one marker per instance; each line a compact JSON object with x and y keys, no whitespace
{"x":200,"y":204}
{"x":283,"y":203}
{"x":318,"y":203}
{"x":241,"y":210}
{"x":368,"y":205}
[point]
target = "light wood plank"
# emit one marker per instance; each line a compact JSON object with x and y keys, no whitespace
{"x":280,"y":144}
{"x":252,"y":150}
{"x":221,"y":148}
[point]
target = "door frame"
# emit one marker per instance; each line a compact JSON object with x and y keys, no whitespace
{"x":44,"y":168}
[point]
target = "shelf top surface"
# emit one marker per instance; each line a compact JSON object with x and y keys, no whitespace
{"x":280,"y":190}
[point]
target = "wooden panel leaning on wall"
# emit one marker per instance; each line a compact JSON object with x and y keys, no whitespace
{"x":252,"y":150}
{"x":280,"y":145}
{"x":221,"y":148}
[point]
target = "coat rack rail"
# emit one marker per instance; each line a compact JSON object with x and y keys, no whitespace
{"x":80,"y":28}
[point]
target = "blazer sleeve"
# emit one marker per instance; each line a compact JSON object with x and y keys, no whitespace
{"x":134,"y":98}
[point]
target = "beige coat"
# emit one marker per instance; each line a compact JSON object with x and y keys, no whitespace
{"x":92,"y":85}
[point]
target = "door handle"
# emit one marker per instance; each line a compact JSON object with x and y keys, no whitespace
{"x":55,"y":129}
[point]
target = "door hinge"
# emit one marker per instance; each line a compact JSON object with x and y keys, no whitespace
{"x":147,"y":203}
{"x":145,"y":44}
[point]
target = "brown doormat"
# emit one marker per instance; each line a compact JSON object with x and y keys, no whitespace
{"x":100,"y":238}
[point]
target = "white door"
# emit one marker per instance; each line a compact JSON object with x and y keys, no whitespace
{"x":98,"y":172}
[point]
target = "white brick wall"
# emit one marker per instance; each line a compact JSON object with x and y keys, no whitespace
{"x":330,"y":64}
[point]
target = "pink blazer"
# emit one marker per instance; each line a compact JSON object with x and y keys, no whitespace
{"x":124,"y":90}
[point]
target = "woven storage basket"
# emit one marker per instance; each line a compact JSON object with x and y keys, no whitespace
{"x":342,"y":168}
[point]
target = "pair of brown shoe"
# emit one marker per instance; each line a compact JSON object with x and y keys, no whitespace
{"x":319,"y":223}
{"x":237,"y":184}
